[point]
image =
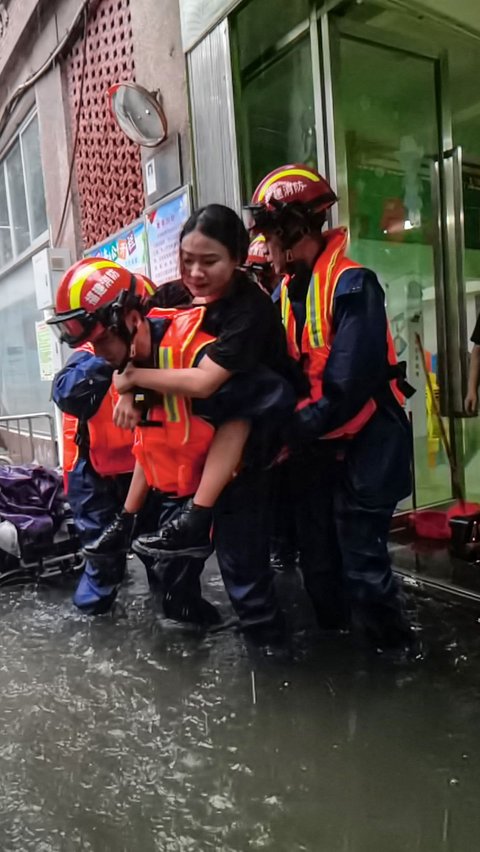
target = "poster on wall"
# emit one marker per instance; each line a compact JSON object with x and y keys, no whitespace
{"x":48,"y":360}
{"x":164,"y":223}
{"x":128,"y":247}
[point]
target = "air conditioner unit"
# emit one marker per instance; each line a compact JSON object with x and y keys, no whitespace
{"x":49,"y":265}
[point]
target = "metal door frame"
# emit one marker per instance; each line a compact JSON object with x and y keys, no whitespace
{"x":448,"y":254}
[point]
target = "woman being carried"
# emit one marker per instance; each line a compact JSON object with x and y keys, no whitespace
{"x":243,"y":377}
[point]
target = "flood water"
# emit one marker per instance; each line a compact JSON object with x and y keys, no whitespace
{"x":127,"y":734}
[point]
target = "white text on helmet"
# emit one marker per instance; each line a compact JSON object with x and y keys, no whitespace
{"x":102,"y":286}
{"x":285,"y":189}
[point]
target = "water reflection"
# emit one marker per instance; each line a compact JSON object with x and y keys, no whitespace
{"x":123,"y":734}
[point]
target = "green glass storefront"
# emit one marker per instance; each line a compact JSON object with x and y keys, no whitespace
{"x":386,"y":102}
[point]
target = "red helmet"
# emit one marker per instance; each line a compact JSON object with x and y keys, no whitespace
{"x":259,"y":264}
{"x":258,"y":253}
{"x":289,"y":201}
{"x":93,"y":295}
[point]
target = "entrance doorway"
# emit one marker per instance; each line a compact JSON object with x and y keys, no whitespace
{"x":385,"y":101}
{"x":405,"y":132}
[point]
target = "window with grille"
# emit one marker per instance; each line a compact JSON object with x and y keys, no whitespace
{"x":23,"y":215}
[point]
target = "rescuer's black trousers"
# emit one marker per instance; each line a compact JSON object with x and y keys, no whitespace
{"x":344,"y":496}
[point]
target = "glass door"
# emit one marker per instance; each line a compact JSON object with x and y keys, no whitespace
{"x":388,"y":142}
{"x":463,"y":55}
{"x":274,"y":87}
{"x":470,"y":179}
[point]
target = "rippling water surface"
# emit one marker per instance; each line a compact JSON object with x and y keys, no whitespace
{"x":124,"y":733}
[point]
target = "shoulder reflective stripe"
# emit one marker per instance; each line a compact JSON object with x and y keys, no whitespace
{"x":288,"y":320}
{"x":194,"y":329}
{"x":314,"y":312}
{"x":76,"y":285}
{"x":165,"y":361}
{"x":285,"y":305}
{"x":165,"y":357}
{"x":321,"y":292}
{"x":286,"y":173}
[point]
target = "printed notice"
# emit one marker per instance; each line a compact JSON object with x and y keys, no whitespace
{"x":46,"y":351}
{"x":164,"y":225}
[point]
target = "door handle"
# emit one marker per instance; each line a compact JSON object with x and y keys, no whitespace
{"x":440,"y":288}
{"x":449,"y":248}
{"x":457,"y":348}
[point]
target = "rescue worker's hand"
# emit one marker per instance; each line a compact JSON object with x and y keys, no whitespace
{"x":301,"y":427}
{"x":125,"y":415}
{"x":125,"y":381}
{"x":291,"y":435}
{"x":471,"y":402}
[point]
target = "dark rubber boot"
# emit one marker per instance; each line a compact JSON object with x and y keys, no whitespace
{"x":191,"y":610}
{"x":114,"y":539}
{"x":187,"y":534}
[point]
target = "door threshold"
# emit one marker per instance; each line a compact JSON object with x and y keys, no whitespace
{"x":444,"y":589}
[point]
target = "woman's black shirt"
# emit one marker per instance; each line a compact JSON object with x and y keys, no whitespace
{"x":249,"y":332}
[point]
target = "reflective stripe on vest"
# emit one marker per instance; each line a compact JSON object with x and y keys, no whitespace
{"x":172,"y":452}
{"x":318,"y":334}
{"x":110,"y":448}
{"x":288,"y":319}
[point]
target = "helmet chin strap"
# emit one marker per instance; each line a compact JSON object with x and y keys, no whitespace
{"x":298,"y":269}
{"x":293,"y":223}
{"x":128,"y":337}
{"x":119,"y":325}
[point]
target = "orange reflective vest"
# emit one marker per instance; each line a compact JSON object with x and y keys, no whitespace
{"x":110,"y":448}
{"x":318,"y":335}
{"x":173,"y":445}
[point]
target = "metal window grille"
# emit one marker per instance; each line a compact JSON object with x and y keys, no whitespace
{"x":108,"y":165}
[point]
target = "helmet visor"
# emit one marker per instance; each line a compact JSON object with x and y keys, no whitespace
{"x":76,"y":327}
{"x":259,"y":219}
{"x":249,"y":219}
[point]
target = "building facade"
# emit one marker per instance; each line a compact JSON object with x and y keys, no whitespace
{"x":69,"y":178}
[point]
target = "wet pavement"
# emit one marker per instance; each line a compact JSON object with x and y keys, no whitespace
{"x":127,"y":734}
{"x":433,"y":566}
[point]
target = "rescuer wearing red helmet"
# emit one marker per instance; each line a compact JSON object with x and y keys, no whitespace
{"x":98,"y":456}
{"x":351,"y":433}
{"x":91,"y":300}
